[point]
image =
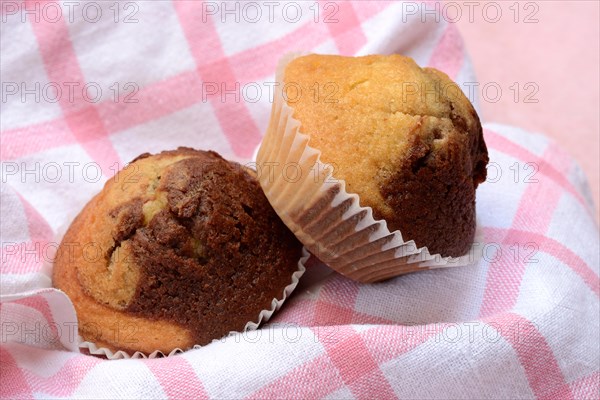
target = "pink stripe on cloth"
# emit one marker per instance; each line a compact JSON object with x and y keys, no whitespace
{"x":213,"y":65}
{"x":9,"y":10}
{"x":367,"y":9}
{"x":22,"y":258}
{"x":504,"y":276}
{"x":244,"y":63}
{"x":388,"y":342}
{"x":324,"y":374}
{"x":307,"y":36}
{"x":88,"y":128}
{"x":344,"y":25}
{"x":233,"y":115}
{"x":500,"y":143}
{"x":535,"y":355}
{"x":155,"y":101}
{"x":296,"y":311}
{"x":327,"y":314}
{"x":564,"y":254}
{"x":62,"y":383}
{"x":449,"y":54}
{"x":340,"y":290}
{"x":27,"y":257}
{"x":62,"y":65}
{"x":34,"y":138}
{"x":40,"y":304}
{"x":347,"y":351}
{"x":530,"y":215}
{"x":39,"y":229}
{"x":335,"y":305}
{"x":357,"y":367}
{"x":14,"y":384}
{"x":58,"y":55}
{"x":367,"y":319}
{"x":587,"y":387}
{"x":303,"y":312}
{"x":66,"y":381}
{"x":177,"y":377}
{"x":314,"y":379}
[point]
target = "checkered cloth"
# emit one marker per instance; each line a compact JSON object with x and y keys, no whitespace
{"x":523,"y":323}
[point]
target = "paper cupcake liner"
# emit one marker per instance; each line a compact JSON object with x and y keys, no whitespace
{"x":323,"y":215}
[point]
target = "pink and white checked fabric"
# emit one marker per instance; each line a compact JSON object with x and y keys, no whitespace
{"x":523,"y":323}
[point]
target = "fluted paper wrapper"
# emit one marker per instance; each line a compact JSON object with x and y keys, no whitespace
{"x":328,"y":220}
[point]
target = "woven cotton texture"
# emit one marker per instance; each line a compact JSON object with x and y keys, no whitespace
{"x":522,"y":323}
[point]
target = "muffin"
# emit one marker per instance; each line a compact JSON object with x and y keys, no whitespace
{"x":390,"y":153}
{"x":177,"y":250}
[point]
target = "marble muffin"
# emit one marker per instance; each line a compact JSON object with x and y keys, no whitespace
{"x":178,"y":249}
{"x":405,"y":139}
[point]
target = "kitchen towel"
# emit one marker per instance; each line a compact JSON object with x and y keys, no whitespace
{"x":89,"y":85}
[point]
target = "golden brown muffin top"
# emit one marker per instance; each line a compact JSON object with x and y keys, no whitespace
{"x":361,"y":111}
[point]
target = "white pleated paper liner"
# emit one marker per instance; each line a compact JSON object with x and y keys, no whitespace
{"x":328,"y":220}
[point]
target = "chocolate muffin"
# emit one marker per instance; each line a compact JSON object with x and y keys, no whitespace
{"x":404,"y":138}
{"x":178,"y":249}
